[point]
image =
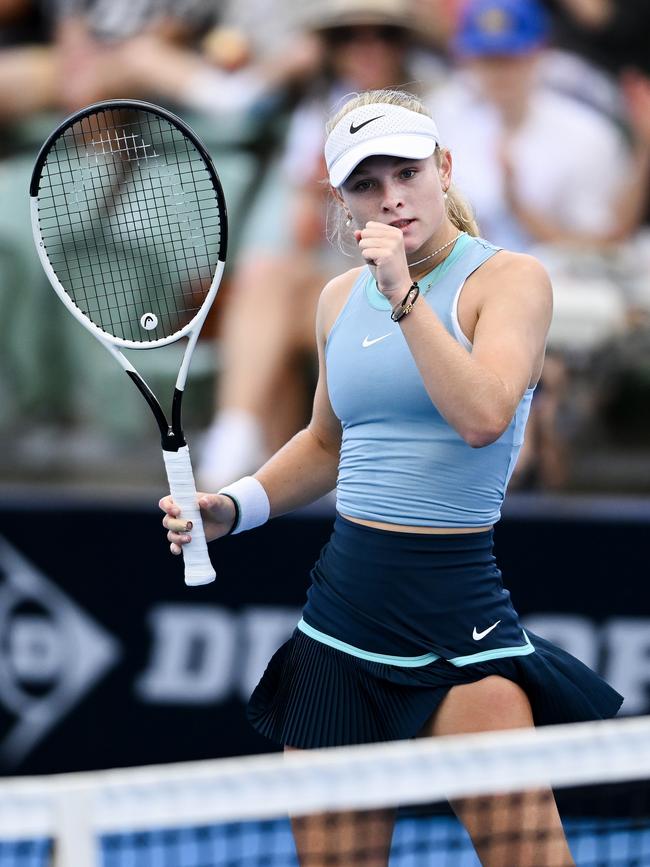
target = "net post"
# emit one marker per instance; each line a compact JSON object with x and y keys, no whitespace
{"x":75,"y":843}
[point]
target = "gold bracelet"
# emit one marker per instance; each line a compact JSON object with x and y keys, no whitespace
{"x":406,"y":305}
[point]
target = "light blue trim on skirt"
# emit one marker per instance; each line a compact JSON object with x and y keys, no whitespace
{"x":405,"y":661}
{"x":414,"y":661}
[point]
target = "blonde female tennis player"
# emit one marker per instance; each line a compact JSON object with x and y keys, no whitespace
{"x":429,"y":356}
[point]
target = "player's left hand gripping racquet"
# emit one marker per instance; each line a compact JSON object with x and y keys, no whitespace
{"x":129,"y":221}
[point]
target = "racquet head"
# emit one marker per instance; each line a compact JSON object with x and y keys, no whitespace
{"x":130,"y":222}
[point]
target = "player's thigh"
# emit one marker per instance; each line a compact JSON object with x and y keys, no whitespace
{"x":525,"y":827}
{"x":490,"y":704}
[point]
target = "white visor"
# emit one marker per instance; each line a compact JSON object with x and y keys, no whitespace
{"x":374,"y":130}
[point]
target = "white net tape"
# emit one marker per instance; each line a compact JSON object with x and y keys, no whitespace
{"x":75,"y":808}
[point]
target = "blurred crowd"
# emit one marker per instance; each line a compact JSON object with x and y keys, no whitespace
{"x":545,"y":106}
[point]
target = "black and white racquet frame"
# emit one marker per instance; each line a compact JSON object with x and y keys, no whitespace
{"x":130,"y":224}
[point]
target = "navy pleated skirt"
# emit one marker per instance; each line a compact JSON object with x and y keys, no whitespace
{"x":395,"y":620}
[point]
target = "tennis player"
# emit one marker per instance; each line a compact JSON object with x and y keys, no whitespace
{"x":429,"y":355}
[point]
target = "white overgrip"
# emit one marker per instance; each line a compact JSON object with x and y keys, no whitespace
{"x":198,"y":568}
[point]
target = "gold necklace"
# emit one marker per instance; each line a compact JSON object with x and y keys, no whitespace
{"x":435,"y":252}
{"x":433,"y":277}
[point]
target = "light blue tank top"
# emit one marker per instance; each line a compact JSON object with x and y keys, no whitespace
{"x":401,"y":462}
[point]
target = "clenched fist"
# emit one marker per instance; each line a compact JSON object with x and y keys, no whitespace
{"x":382,"y":247}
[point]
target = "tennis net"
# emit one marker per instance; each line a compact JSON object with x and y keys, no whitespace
{"x":234,"y":812}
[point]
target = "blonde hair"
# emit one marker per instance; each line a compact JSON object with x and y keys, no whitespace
{"x":459,"y":210}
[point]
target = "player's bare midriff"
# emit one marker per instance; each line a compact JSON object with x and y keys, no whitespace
{"x":406,"y":528}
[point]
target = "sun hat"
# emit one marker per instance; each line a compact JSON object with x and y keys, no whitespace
{"x":325,"y":14}
{"x":377,"y":129}
{"x":407,"y":16}
{"x":489,"y":27}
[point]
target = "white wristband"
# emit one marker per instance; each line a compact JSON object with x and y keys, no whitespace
{"x":253,"y":503}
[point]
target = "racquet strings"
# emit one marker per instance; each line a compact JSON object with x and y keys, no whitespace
{"x":130,"y":221}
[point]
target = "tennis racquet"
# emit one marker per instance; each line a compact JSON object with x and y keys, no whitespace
{"x":129,"y":221}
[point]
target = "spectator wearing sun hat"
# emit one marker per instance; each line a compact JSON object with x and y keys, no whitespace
{"x":262,"y":396}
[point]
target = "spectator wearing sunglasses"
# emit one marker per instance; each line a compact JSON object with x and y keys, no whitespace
{"x":267,"y":344}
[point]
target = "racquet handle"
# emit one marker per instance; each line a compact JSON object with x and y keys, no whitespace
{"x":198,"y":568}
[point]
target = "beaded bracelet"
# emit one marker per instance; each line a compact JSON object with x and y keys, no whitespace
{"x":406,"y":305}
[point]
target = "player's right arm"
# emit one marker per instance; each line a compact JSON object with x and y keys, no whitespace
{"x":304,"y":469}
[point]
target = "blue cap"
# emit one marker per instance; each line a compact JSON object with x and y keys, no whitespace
{"x":500,"y":27}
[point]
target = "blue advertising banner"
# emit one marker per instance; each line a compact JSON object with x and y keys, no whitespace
{"x":107,"y":659}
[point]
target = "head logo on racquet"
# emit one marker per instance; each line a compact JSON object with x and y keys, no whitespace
{"x":149,"y":321}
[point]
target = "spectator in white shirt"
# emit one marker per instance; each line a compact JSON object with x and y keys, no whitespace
{"x":537,"y":165}
{"x":544,"y":170}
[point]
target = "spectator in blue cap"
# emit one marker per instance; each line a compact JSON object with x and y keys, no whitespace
{"x":529,"y":159}
{"x":501,"y":27}
{"x":538,"y":166}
